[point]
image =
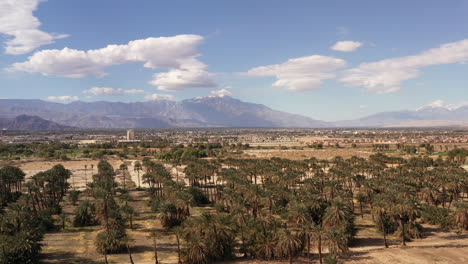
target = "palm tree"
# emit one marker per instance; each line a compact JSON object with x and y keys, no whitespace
{"x":138,"y":168}
{"x":178,"y":233}
{"x":266,"y":247}
{"x":289,"y":244}
{"x":154,"y":236}
{"x":337,"y":241}
{"x":318,"y":233}
{"x":196,"y":251}
{"x":361,"y":198}
{"x":123,"y":168}
{"x":85,"y":176}
{"x":130,"y":254}
{"x":461,"y":215}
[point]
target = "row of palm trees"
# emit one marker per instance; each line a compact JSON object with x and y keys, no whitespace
{"x":279,"y":208}
{"x":25,"y":220}
{"x":11,"y":179}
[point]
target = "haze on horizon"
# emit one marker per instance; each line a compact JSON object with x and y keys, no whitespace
{"x":330,"y":60}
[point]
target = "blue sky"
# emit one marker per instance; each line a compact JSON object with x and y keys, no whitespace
{"x":284,"y":54}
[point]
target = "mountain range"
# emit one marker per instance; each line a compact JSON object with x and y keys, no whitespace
{"x":26,"y":122}
{"x":198,"y":112}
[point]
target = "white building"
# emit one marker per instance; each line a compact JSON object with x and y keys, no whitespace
{"x":130,"y":135}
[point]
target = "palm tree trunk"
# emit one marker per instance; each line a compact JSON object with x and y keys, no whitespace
{"x":290,"y":256}
{"x":123,"y":173}
{"x":138,"y":173}
{"x":130,"y":254}
{"x":155,"y":250}
{"x":319,"y":247}
{"x":360,"y":205}
{"x":178,"y":249}
{"x":403,"y":240}
{"x":383,"y":230}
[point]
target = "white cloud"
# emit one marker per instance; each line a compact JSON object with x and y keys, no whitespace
{"x":386,"y":76}
{"x":442,"y":104}
{"x":18,"y":22}
{"x":109,"y":91}
{"x":221,"y":93}
{"x":63,"y":98}
{"x":134,"y":91}
{"x":301,"y":74}
{"x":157,"y":97}
{"x":191,"y":74}
{"x":363,"y":106}
{"x":178,"y":54}
{"x":104,"y":91}
{"x":346,"y":46}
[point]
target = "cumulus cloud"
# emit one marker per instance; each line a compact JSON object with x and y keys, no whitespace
{"x":109,"y":91}
{"x":134,"y":91}
{"x":386,"y":76}
{"x":63,"y":98}
{"x":191,"y":74}
{"x":18,"y":22}
{"x":158,"y":97}
{"x":442,"y":104}
{"x":301,"y":74}
{"x":221,"y":93}
{"x":178,"y":54}
{"x":346,"y":46}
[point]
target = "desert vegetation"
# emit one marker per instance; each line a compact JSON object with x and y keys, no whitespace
{"x":227,"y":209}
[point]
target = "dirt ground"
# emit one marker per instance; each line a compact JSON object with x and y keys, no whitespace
{"x":306,"y":153}
{"x":436,"y":246}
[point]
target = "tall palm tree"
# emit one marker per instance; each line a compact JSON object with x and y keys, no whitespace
{"x":197,"y":252}
{"x":289,"y":244}
{"x":138,"y":167}
{"x":154,"y":237}
{"x":461,"y":215}
{"x":178,"y":231}
{"x":123,"y":168}
{"x":85,"y":175}
{"x":318,"y":233}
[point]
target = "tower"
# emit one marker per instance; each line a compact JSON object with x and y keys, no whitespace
{"x":130,"y":135}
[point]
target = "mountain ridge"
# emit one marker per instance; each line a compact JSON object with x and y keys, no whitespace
{"x":196,"y":112}
{"x":212,"y":111}
{"x":27,"y":122}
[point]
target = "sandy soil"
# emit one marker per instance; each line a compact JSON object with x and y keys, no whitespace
{"x":436,"y":246}
{"x":80,"y":174}
{"x":295,"y":154}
